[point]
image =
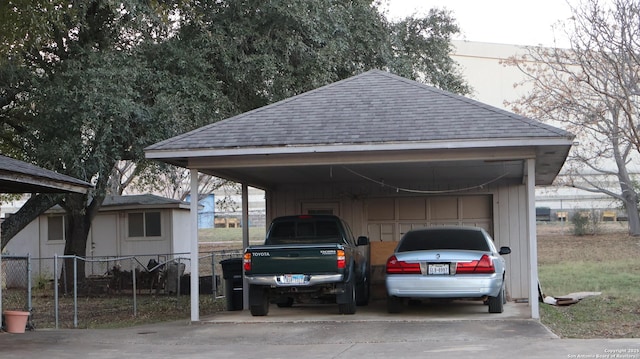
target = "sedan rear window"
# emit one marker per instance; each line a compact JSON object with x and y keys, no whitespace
{"x":443,"y":239}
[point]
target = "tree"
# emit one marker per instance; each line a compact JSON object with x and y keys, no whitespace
{"x":268,"y":51}
{"x":90,"y":93}
{"x":95,"y":82}
{"x":592,"y":89}
{"x":261,"y":52}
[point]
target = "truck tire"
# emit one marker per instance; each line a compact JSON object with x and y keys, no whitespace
{"x":285,"y":302}
{"x":349,"y":307}
{"x":258,"y":301}
{"x":363,"y":292}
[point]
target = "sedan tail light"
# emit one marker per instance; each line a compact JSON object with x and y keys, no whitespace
{"x":482,"y":266}
{"x":394,"y":266}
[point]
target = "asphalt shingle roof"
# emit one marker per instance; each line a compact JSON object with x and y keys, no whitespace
{"x":371,"y":108}
{"x":17,"y":177}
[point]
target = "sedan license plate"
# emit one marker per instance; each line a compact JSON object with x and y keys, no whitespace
{"x":292,"y":279}
{"x":438,"y":269}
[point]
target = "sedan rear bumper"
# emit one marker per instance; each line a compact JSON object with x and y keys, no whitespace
{"x":454,"y":286}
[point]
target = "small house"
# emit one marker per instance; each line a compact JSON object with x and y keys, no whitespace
{"x":146,"y":226}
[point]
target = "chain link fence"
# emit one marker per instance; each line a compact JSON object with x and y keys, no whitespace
{"x":112,"y":287}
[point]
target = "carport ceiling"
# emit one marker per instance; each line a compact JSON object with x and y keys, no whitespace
{"x":390,"y":174}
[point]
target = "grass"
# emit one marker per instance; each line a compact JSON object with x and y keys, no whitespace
{"x":256,"y":235}
{"x":109,"y":311}
{"x":606,"y":263}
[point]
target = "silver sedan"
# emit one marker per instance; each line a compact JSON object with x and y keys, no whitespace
{"x":446,"y":262}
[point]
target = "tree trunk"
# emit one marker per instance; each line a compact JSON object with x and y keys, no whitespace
{"x":633,"y":216}
{"x":35,"y":206}
{"x":629,"y":199}
{"x":78,"y":218}
{"x":634,"y":220}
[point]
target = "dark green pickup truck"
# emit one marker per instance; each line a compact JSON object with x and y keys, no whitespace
{"x":308,"y":258}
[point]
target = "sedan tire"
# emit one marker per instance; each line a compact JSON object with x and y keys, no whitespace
{"x":394,"y":304}
{"x":496,"y":304}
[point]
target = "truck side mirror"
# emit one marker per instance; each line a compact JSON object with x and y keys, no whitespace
{"x":362,"y":241}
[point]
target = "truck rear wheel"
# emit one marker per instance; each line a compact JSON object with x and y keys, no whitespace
{"x":363,"y":292}
{"x":350,"y":306}
{"x":285,"y":302}
{"x":258,"y":301}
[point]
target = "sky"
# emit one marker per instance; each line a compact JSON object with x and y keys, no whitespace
{"x":514,"y":22}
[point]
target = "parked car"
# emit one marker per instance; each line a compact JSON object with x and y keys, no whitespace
{"x":446,"y":262}
{"x":306,"y":258}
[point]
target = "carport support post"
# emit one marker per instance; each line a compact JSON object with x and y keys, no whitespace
{"x":245,"y":239}
{"x":533,"y":239}
{"x":195,"y":274}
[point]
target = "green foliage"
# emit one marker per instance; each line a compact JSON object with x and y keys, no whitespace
{"x":85,"y":85}
{"x":41,"y":280}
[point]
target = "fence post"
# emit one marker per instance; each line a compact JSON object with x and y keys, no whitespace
{"x":133,"y":280}
{"x":75,"y":291}
{"x":29,"y":284}
{"x":178,"y":278}
{"x":213,"y":276}
{"x":55,"y":287}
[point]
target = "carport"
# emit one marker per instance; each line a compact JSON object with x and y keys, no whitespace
{"x":21,"y":177}
{"x":387,"y":154}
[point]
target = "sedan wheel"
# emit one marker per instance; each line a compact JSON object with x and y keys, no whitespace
{"x":496,"y":304}
{"x":394,"y":304}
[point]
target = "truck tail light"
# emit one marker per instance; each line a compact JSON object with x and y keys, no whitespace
{"x":394,"y":266}
{"x":246,"y":261}
{"x":482,"y":266}
{"x":342,"y":263}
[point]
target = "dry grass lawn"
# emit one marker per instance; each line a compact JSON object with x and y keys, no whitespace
{"x":608,"y":262}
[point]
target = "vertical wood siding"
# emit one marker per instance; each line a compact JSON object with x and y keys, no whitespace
{"x":374,"y":211}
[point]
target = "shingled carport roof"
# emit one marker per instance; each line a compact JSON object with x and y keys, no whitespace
{"x":372,"y":124}
{"x":21,"y":177}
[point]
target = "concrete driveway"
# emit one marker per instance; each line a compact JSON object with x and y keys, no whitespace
{"x":438,"y":331}
{"x":377,"y":311}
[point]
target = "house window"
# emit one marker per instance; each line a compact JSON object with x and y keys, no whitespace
{"x":55,"y":228}
{"x":145,"y":224}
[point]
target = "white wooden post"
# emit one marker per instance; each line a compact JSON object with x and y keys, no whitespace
{"x":195,"y":274}
{"x":245,"y":240}
{"x":533,"y":239}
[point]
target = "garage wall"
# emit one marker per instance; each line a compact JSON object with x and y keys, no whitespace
{"x":383,"y":215}
{"x":510,"y":221}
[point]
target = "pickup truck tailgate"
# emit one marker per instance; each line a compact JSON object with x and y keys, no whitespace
{"x":294,"y":259}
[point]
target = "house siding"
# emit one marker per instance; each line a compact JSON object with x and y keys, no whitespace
{"x":108,"y":237}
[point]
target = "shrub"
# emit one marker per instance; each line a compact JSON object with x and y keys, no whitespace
{"x":585,"y":222}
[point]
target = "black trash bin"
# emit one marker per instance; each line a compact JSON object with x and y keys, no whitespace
{"x":232,"y":274}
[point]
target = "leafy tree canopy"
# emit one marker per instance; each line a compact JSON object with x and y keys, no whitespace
{"x":85,"y":85}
